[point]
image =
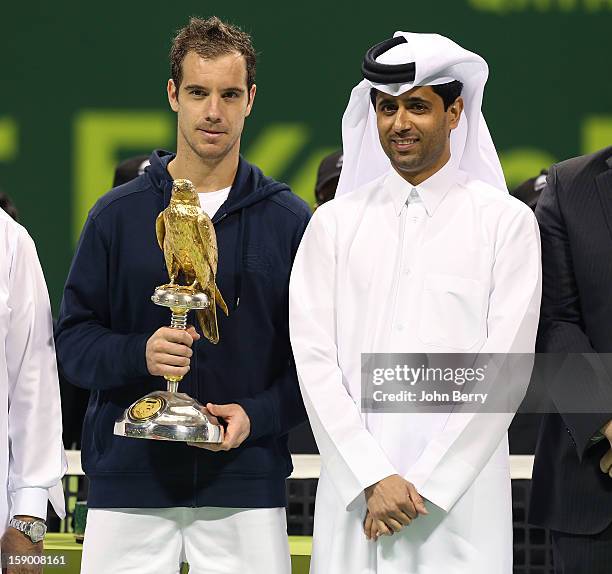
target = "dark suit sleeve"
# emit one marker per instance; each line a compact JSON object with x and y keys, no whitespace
{"x":562,"y":331}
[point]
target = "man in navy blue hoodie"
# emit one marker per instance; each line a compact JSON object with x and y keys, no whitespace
{"x":153,"y":503}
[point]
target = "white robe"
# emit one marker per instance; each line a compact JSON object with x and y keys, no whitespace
{"x":458,"y":272}
{"x":32,"y":459}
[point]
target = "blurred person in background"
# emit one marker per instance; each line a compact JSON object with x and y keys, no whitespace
{"x":571,"y":492}
{"x":153,"y":503}
{"x":529,"y":191}
{"x":328,"y":175}
{"x":8,"y":206}
{"x":130,"y":169}
{"x":32,"y":462}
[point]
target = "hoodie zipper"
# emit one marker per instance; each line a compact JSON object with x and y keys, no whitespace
{"x":196,"y":377}
{"x":195,"y":454}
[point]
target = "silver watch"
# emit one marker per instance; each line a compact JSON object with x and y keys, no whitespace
{"x":35,"y":530}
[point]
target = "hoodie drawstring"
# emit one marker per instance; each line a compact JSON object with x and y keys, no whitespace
{"x":240,"y":249}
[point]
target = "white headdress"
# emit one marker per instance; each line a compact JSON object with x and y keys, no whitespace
{"x":417,"y":60}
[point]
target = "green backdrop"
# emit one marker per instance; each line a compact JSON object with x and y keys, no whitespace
{"x":83,"y":86}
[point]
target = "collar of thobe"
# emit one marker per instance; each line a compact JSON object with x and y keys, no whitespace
{"x":431,"y":191}
{"x":434,"y":60}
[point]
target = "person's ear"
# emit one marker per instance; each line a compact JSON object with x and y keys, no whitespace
{"x":172,"y":95}
{"x":454,"y":111}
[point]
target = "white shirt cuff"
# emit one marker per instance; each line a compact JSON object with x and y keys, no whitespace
{"x":30,"y":502}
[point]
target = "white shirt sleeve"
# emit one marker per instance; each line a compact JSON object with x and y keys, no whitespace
{"x":455,"y":457}
{"x":36,"y":460}
{"x":350,"y":454}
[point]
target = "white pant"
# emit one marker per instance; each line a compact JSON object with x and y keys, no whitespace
{"x":211,"y":540}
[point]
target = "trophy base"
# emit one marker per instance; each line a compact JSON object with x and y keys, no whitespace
{"x":163,"y":415}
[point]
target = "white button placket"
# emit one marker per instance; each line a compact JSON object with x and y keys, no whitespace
{"x":414,"y":220}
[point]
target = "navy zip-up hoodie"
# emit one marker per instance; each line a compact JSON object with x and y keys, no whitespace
{"x":106,"y":318}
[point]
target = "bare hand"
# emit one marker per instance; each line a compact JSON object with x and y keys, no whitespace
{"x":16,"y":544}
{"x":237,"y":430}
{"x":375,"y":528}
{"x":605,"y":464}
{"x":395,"y":502}
{"x":607,"y":431}
{"x":169,"y":351}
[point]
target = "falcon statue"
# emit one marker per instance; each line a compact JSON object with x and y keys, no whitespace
{"x":187,"y":237}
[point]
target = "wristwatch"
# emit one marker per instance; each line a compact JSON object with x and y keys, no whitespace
{"x":35,"y":530}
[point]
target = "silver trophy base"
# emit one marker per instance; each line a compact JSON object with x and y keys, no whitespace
{"x":164,"y":415}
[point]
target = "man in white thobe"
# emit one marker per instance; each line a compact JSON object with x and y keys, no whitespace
{"x":422,"y":251}
{"x":32,"y":459}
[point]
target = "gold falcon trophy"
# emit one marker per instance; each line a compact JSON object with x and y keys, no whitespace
{"x":187,"y":237}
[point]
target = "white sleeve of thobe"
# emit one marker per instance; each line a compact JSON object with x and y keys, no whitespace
{"x":350,"y":454}
{"x":36,"y":460}
{"x":455,"y":457}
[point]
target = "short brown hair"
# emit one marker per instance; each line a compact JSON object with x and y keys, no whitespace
{"x":210,"y":39}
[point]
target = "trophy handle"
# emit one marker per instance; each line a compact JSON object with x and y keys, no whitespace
{"x":178,"y":321}
{"x":180,"y":299}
